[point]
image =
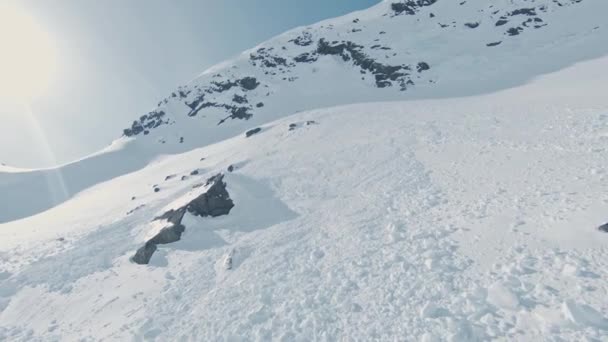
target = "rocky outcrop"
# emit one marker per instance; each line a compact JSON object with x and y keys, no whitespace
{"x":214,"y":202}
{"x":252,"y":132}
{"x":410,"y":7}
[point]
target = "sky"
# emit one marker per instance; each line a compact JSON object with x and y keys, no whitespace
{"x":115,"y":59}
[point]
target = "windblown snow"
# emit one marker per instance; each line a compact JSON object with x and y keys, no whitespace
{"x":460,"y":206}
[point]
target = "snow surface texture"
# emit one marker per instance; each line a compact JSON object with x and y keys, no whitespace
{"x":380,"y":54}
{"x":462,"y":219}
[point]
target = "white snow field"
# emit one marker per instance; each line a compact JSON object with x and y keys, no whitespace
{"x":468,"y":218}
{"x":460,"y":219}
{"x":367,"y":56}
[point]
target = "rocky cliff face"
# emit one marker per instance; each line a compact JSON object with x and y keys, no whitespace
{"x":389,"y":52}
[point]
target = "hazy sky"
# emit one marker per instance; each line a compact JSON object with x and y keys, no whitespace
{"x":117,"y":58}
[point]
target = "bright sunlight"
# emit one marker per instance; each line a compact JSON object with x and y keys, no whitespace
{"x":28,"y":57}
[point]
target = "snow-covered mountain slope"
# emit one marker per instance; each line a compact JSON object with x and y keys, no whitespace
{"x":463,"y":219}
{"x":392,"y":51}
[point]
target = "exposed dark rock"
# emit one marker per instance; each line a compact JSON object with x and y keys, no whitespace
{"x":383,"y":73}
{"x":514,"y":31}
{"x":149,"y":121}
{"x":144,"y":254}
{"x":304,"y":40}
{"x":603,"y":228}
{"x":501,"y":21}
{"x":252,"y":132}
{"x":292,"y":126}
{"x":259,"y":105}
{"x":306,"y":58}
{"x":194,"y":172}
{"x":169,"y":177}
{"x":422,"y":66}
{"x":214,"y":202}
{"x":239,"y":99}
{"x":471,"y":25}
{"x":248,"y":83}
{"x":494,"y":43}
{"x":264,"y":57}
{"x":410,"y":7}
{"x":156,"y":189}
{"x":524,"y":11}
{"x":230,"y":168}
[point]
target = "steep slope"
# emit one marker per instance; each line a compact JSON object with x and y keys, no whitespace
{"x":393,"y":51}
{"x":462,"y":219}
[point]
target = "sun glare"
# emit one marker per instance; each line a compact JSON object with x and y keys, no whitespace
{"x":27,"y":55}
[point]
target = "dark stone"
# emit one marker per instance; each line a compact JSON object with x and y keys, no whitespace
{"x":524,"y":11}
{"x":214,"y":202}
{"x":194,"y":173}
{"x":306,"y":58}
{"x":422,"y":66}
{"x":501,"y":21}
{"x":410,"y":7}
{"x":471,"y":25}
{"x":144,"y":254}
{"x":351,"y":51}
{"x":239,"y":99}
{"x":252,"y":132}
{"x":603,"y":228}
{"x":494,"y":43}
{"x":514,"y":31}
{"x":156,"y":189}
{"x":259,"y":105}
{"x":230,"y":168}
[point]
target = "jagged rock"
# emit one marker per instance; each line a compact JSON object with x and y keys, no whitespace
{"x":514,"y":31}
{"x":494,"y":43}
{"x":410,"y":7}
{"x":214,"y":202}
{"x":252,"y":132}
{"x":194,"y":172}
{"x":239,"y":99}
{"x":501,"y":21}
{"x":383,"y":73}
{"x":144,"y":254}
{"x":422,"y":66}
{"x":603,"y":228}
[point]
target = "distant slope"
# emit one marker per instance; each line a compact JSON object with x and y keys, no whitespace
{"x":392,"y":51}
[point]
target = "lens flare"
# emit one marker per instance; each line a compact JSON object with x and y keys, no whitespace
{"x":28,"y":57}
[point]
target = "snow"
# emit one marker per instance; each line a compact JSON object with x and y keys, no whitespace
{"x":465,"y":219}
{"x":431,"y":219}
{"x":460,"y":65}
